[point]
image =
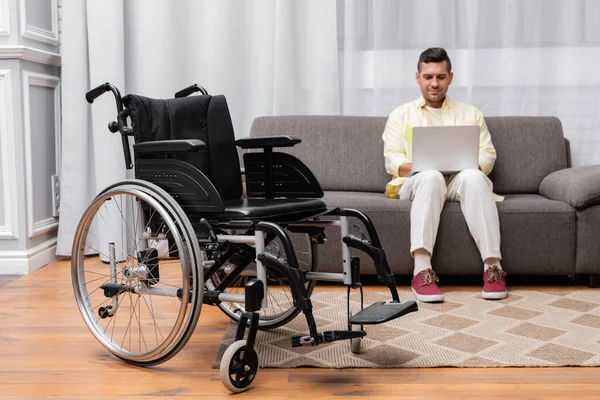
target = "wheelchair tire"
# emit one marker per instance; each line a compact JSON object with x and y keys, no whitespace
{"x":281,"y":309}
{"x":237,"y":376}
{"x":141,"y":307}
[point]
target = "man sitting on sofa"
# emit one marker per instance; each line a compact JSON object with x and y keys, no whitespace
{"x":428,"y":190}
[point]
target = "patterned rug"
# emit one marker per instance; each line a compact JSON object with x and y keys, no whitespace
{"x":530,"y":328}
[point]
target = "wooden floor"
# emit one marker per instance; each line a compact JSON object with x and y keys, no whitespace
{"x":47,"y":351}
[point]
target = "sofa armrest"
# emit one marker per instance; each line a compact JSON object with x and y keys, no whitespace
{"x":578,"y":187}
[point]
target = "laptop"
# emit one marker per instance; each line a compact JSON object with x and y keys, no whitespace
{"x":448,"y":149}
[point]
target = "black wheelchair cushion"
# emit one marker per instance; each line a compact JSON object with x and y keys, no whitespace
{"x":205,"y":118}
{"x":270,"y":209}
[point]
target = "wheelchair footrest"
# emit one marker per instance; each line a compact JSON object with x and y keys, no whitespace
{"x":380,"y":312}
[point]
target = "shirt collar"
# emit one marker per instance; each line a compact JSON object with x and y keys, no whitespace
{"x":420,"y":102}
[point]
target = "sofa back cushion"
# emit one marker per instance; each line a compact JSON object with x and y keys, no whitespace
{"x":528,"y":149}
{"x":346,"y":152}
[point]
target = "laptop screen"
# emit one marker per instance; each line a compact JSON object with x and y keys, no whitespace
{"x":448,"y":149}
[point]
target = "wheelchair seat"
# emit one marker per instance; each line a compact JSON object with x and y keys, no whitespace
{"x":205,"y":180}
{"x":280,"y":210}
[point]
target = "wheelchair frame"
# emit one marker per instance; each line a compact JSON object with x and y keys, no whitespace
{"x":240,"y":362}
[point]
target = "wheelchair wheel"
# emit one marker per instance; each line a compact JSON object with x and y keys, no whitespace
{"x":236,"y":375}
{"x":279,"y":294}
{"x":142,"y":306}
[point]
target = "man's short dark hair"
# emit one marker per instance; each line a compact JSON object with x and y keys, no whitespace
{"x":435,"y":55}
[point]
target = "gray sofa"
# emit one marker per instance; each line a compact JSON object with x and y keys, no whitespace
{"x":549,"y":220}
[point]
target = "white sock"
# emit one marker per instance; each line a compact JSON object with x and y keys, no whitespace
{"x":490,"y":262}
{"x":422,"y":260}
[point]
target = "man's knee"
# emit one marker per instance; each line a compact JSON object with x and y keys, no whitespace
{"x":431,"y":182}
{"x":432,"y":178}
{"x":473,"y":178}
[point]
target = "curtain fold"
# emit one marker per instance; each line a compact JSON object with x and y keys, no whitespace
{"x":77,"y":175}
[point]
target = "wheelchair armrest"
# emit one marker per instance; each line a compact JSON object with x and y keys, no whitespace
{"x":267,"y":142}
{"x":169,"y":146}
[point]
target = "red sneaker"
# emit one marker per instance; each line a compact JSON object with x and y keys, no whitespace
{"x":494,"y":284}
{"x":424,"y":287}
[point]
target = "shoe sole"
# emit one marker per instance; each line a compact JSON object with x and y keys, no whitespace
{"x":494,"y":295}
{"x":428,"y":298}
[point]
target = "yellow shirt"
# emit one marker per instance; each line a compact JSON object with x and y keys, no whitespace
{"x":397,"y":136}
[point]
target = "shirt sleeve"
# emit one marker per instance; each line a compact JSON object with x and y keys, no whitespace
{"x":487,"y":152}
{"x":393,"y":143}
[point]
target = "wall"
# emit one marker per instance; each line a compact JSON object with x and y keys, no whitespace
{"x":29,"y":133}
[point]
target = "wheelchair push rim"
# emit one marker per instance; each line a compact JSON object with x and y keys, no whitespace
{"x":139,"y":304}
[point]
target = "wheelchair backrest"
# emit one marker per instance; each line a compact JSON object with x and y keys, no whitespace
{"x":205,"y":118}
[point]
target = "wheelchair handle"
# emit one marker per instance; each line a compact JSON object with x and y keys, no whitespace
{"x":120,"y":125}
{"x":96,"y":92}
{"x":189,"y":90}
{"x":100,"y":90}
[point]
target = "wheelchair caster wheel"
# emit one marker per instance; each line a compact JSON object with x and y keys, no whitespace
{"x":355,"y":342}
{"x":238,"y":375}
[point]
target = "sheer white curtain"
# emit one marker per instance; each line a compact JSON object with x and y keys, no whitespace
{"x":267,"y":57}
{"x":356,"y":57}
{"x":92,"y":51}
{"x":510,"y":57}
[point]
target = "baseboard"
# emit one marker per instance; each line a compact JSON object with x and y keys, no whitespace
{"x":26,"y":262}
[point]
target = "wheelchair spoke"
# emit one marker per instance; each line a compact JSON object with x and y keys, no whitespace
{"x":156,"y":327}
{"x":95,"y":290}
{"x":141,"y":337}
{"x":110,"y":232}
{"x":287,"y":293}
{"x":128,"y":325}
{"x":96,"y":251}
{"x":97,"y":279}
{"x":274,"y":301}
{"x":113,"y":320}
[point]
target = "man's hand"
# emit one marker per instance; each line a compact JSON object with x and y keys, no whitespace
{"x":405,"y":169}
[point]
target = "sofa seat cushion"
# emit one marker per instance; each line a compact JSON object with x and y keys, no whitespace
{"x":538,"y":235}
{"x":364,"y":201}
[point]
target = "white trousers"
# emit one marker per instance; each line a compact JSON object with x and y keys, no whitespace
{"x":429,"y":190}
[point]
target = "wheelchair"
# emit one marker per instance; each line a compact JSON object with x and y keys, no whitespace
{"x":149,"y":252}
